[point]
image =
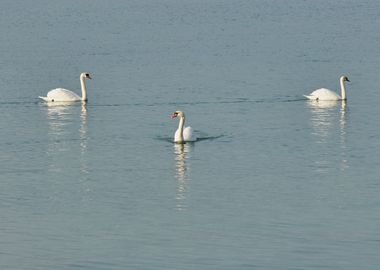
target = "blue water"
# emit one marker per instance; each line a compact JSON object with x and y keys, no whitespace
{"x":275,"y":182}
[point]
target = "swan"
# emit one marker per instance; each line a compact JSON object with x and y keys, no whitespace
{"x":326,"y":94}
{"x":64,"y":95}
{"x":182,"y":134}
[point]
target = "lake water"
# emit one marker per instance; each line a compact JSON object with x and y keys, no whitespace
{"x":275,"y":182}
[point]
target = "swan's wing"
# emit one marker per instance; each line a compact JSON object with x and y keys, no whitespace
{"x":323,"y":94}
{"x":61,"y":94}
{"x":189,"y":135}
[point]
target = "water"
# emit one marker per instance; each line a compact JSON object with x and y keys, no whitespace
{"x":275,"y":183}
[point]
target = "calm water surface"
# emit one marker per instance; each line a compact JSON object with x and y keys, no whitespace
{"x":275,"y":183}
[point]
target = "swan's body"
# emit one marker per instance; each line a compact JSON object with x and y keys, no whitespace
{"x":61,"y":95}
{"x":188,"y":135}
{"x":64,"y":95}
{"x":183,"y":134}
{"x":326,"y":94}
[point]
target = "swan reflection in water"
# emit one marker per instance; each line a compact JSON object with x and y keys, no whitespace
{"x":83,"y":129}
{"x":181,"y":152}
{"x":67,"y":147}
{"x":323,"y":121}
{"x":61,"y":116}
{"x":343,"y":142}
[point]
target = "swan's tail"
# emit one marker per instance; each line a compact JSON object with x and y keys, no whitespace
{"x":43,"y":98}
{"x":311,"y":97}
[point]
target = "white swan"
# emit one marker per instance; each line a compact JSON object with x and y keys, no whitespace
{"x":64,"y":95}
{"x":182,"y":134}
{"x":326,"y":94}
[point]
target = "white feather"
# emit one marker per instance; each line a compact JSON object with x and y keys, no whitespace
{"x":324,"y":94}
{"x":188,"y":135}
{"x":61,"y":94}
{"x":64,"y":95}
{"x":183,"y":134}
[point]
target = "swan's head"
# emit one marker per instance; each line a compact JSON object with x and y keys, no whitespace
{"x":344,"y":79}
{"x":178,"y":114}
{"x":85,"y":75}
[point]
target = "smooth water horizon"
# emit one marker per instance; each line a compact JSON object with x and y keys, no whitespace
{"x":275,"y":181}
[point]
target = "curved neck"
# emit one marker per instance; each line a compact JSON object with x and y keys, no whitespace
{"x":180,"y":127}
{"x":83,"y":87}
{"x":342,"y":90}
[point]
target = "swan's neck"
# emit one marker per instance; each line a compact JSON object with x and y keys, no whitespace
{"x":180,"y":127}
{"x":343,"y":90}
{"x":83,"y":87}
